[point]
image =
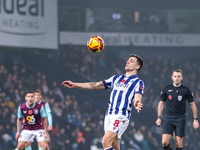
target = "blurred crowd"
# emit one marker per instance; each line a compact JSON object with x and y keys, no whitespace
{"x":15,"y":80}
{"x":77,"y":123}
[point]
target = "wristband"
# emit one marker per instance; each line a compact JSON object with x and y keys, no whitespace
{"x":159,"y":117}
{"x":196,"y":118}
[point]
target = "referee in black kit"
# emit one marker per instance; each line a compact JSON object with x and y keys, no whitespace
{"x":175,"y":95}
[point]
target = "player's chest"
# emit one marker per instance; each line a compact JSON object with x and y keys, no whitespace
{"x":28,"y":112}
{"x":121,"y":86}
{"x":124,"y":84}
{"x":31,"y":115}
{"x":176,"y":95}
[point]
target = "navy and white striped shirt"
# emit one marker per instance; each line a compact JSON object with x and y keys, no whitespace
{"x":123,"y":93}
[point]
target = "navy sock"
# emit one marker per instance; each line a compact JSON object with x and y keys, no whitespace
{"x":179,"y":148}
{"x":167,"y":147}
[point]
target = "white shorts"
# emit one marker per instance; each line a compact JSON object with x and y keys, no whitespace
{"x":116,"y":124}
{"x":29,"y":135}
{"x":32,"y":138}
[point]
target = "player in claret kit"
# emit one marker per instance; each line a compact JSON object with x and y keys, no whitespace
{"x":38,"y":97}
{"x":35,"y":122}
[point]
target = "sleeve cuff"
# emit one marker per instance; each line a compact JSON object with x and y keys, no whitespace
{"x":105,"y":85}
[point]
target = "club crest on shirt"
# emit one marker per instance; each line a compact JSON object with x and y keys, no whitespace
{"x":36,"y":111}
{"x":179,"y":98}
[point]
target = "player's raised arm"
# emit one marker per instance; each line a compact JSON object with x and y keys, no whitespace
{"x":86,"y":85}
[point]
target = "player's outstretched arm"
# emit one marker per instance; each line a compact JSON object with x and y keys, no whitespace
{"x":19,"y":122}
{"x":194,"y":110}
{"x":137,"y":103}
{"x":160,"y":110}
{"x":86,"y":85}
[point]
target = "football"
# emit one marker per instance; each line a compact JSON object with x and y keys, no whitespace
{"x":95,"y":44}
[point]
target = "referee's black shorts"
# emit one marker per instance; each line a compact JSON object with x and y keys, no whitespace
{"x":169,"y":126}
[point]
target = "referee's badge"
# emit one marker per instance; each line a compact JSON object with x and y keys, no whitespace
{"x":179,"y":98}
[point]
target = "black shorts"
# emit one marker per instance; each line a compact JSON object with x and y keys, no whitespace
{"x":169,"y":126}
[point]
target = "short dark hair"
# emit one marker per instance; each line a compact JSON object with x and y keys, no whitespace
{"x":139,"y":60}
{"x":177,"y":70}
{"x":38,"y":91}
{"x":27,"y":92}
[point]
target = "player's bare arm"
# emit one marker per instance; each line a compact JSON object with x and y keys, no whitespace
{"x":137,"y":103}
{"x":194,"y":110}
{"x":86,"y":86}
{"x":19,"y":122}
{"x":160,"y":110}
{"x":45,"y":128}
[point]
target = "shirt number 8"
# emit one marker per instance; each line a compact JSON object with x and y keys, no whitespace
{"x":116,"y":124}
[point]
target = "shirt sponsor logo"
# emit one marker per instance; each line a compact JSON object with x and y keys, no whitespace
{"x":179,"y":98}
{"x":121,"y":85}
